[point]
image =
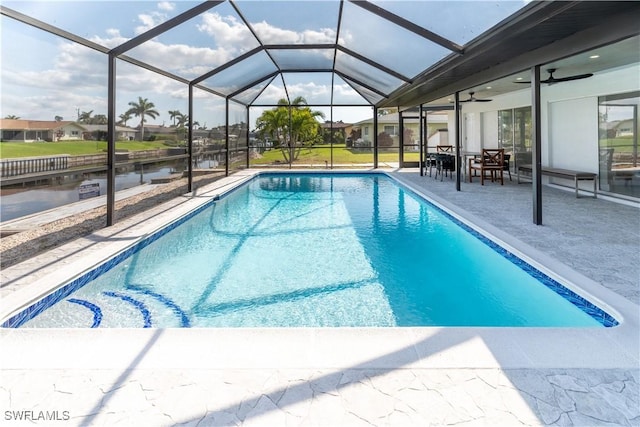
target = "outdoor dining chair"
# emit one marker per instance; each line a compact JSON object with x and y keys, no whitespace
{"x":445,"y":165}
{"x":491,"y":162}
{"x":430,"y":162}
{"x":444,"y":148}
{"x":507,"y":165}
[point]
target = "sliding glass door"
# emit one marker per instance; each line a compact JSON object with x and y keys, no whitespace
{"x":618,"y":144}
{"x":514,"y":135}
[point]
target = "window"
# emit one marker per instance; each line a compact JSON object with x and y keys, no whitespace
{"x":514,"y":135}
{"x":74,"y":133}
{"x":619,"y":171}
{"x":391,"y":130}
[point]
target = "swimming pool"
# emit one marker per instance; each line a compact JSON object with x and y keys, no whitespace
{"x":314,"y":250}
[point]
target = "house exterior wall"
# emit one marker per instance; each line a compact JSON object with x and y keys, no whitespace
{"x":569,"y":117}
{"x":70,"y":133}
{"x":67,"y":132}
{"x":624,"y":128}
{"x":127,"y":135}
{"x":490,"y":129}
{"x":471,"y":132}
{"x":26,"y":135}
{"x":451,"y":125}
{"x":581,"y":131}
{"x":11,"y":135}
{"x":436,"y":123}
{"x":572,"y":125}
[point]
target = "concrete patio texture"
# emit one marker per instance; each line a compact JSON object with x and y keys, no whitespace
{"x":347,"y":376}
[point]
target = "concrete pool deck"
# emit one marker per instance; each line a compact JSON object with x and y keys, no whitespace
{"x":346,"y":376}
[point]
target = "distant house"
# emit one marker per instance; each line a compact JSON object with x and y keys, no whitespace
{"x":339,"y":126}
{"x":389,"y":123}
{"x":624,"y":128}
{"x":160,"y":131}
{"x":39,"y":130}
{"x":99,"y":132}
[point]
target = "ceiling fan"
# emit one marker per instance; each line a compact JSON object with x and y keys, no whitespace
{"x":474,"y":99}
{"x":551,"y":80}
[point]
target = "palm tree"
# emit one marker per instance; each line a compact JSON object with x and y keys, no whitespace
{"x":12,"y":117}
{"x":85,"y":117}
{"x":142,"y":109}
{"x":183,"y":120}
{"x":304,"y":126}
{"x":99,"y":119}
{"x":124,"y":118}
{"x":292,"y":126}
{"x":274,"y":123}
{"x":173,"y":115}
{"x":58,"y":118}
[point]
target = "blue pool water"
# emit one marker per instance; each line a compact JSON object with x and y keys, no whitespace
{"x":315,"y":250}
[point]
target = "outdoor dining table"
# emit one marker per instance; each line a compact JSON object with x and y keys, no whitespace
{"x":468,"y":156}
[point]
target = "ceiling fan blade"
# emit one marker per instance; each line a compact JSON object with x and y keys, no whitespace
{"x":473,"y":99}
{"x":551,"y":80}
{"x":569,"y":78}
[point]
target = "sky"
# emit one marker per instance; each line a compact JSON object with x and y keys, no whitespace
{"x":43,"y":76}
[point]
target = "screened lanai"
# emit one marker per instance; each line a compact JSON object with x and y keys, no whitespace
{"x":211,"y":70}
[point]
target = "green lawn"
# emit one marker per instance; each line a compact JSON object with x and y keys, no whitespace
{"x":623,"y":144}
{"x":316,"y":155}
{"x":341,"y":155}
{"x":10,"y":150}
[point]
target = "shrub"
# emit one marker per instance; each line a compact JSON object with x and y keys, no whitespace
{"x":384,"y":140}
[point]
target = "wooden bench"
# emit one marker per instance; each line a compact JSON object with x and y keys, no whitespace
{"x":566,"y":174}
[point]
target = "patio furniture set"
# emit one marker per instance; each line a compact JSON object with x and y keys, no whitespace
{"x":491,"y":164}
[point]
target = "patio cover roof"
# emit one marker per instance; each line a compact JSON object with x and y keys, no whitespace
{"x":382,"y":53}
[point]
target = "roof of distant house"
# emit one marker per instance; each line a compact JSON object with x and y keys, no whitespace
{"x":440,"y":117}
{"x":158,"y":128}
{"x":35,"y":124}
{"x":92,"y":128}
{"x":336,"y":125}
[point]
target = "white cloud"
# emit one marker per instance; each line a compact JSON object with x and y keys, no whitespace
{"x":311,"y":91}
{"x":154,"y":18}
{"x":149,"y":20}
{"x":269,"y":34}
{"x":37,"y":79}
{"x":112,"y":39}
{"x":134,"y":81}
{"x":345,"y":93}
{"x":181,"y":59}
{"x":325,"y":35}
{"x":45,"y":105}
{"x":272,"y":94}
{"x":227,"y":31}
{"x":85,"y":65}
{"x":165,"y":5}
{"x":76,"y":76}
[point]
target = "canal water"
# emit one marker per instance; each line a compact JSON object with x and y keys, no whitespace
{"x":20,"y":201}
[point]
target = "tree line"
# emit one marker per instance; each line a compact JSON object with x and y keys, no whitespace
{"x":142,"y":108}
{"x":291,"y":126}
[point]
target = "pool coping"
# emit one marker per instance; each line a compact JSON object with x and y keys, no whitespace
{"x":425,"y":347}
